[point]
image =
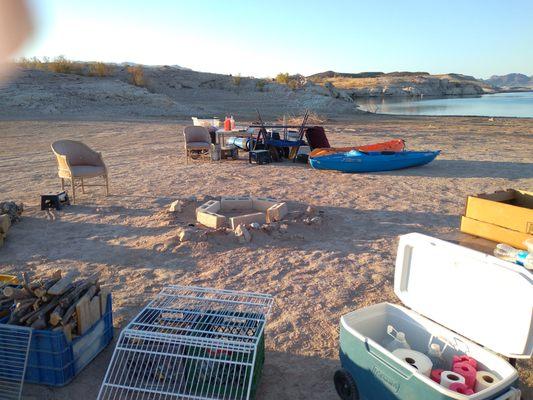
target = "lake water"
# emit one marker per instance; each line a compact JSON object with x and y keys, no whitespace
{"x":493,"y":105}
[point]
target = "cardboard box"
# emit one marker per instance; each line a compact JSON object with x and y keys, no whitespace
{"x":512,"y":209}
{"x":494,"y":232}
{"x":503,"y":216}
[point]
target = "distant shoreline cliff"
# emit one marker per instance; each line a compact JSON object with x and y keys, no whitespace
{"x":379,"y":84}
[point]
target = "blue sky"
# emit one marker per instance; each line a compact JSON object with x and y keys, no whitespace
{"x":262,"y":38}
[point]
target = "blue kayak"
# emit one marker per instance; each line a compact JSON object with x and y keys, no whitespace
{"x":356,"y":161}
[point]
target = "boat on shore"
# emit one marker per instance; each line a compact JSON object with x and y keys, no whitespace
{"x":391,"y":145}
{"x":357,"y":161}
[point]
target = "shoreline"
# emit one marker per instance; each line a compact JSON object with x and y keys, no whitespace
{"x":450,"y":96}
{"x":377,"y":102}
{"x":184,"y":120}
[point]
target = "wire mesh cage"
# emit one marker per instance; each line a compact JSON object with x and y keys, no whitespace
{"x":191,"y":343}
{"x":14,"y":346}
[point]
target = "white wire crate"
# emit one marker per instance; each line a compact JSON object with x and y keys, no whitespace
{"x":14,"y":347}
{"x":191,"y":343}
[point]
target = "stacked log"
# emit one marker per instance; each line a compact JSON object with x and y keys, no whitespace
{"x":9,"y":213}
{"x":5,"y":302}
{"x":58,"y":302}
{"x":5,"y":224}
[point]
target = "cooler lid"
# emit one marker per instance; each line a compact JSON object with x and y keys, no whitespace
{"x":483,"y":298}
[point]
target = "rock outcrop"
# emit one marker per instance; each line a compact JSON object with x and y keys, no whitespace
{"x":378,"y":84}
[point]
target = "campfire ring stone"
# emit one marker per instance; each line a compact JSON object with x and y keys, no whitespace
{"x":234,"y":211}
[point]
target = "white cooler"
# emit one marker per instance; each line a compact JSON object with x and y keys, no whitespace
{"x":475,"y":303}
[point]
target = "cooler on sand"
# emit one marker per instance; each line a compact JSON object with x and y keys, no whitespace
{"x":448,"y":289}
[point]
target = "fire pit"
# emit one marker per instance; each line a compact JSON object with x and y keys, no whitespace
{"x":234,"y":211}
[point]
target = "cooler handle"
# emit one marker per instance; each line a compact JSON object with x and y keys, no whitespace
{"x":512,"y":394}
{"x":378,"y":357}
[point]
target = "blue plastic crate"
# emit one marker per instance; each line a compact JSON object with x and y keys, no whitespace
{"x":54,"y":361}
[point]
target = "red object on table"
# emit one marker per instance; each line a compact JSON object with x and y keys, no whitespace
{"x":227,"y":124}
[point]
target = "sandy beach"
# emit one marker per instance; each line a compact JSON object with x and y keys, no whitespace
{"x":315,"y":272}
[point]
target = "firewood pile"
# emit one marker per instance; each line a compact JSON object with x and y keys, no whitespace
{"x":58,"y":302}
{"x":9,"y":213}
{"x":5,"y":302}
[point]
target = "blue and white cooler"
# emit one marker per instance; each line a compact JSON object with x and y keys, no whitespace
{"x":470,"y":303}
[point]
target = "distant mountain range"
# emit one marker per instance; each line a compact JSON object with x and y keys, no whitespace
{"x":511,"y":80}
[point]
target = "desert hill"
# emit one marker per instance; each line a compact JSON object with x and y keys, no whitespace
{"x":377,"y":84}
{"x":511,"y":81}
{"x":161,"y":91}
{"x":97,"y":90}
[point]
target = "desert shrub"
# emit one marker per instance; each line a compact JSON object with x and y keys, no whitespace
{"x":237,"y":79}
{"x":32,"y":63}
{"x":24,"y":62}
{"x":100,"y":69}
{"x":137,"y":75}
{"x":61,"y":65}
{"x":283,"y":78}
{"x":260,"y":85}
{"x":293,"y":84}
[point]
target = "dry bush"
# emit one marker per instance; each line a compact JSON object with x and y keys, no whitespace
{"x":100,"y":69}
{"x":260,"y":85}
{"x":61,"y":65}
{"x":137,"y":75}
{"x":313,"y":119}
{"x":282,"y":78}
{"x":285,"y":79}
{"x":32,"y":63}
{"x":237,"y":79}
{"x":293,"y":84}
{"x":64,"y":66}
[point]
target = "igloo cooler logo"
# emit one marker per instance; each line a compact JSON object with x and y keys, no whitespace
{"x":386,"y":379}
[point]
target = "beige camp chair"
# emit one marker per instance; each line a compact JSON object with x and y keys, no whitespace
{"x":197,"y":141}
{"x":77,"y":161}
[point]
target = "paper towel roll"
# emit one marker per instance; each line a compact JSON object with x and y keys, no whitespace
{"x":415,"y":359}
{"x":449,"y":377}
{"x":435,"y":375}
{"x":468,"y":371}
{"x":464,"y":358}
{"x":484,"y":380}
{"x":461,"y":388}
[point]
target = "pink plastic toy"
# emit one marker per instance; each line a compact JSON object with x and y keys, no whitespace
{"x":435,"y":375}
{"x":461,"y":388}
{"x":464,"y":358}
{"x":467,"y":371}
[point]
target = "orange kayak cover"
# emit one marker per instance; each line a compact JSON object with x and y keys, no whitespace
{"x":392,"y":145}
